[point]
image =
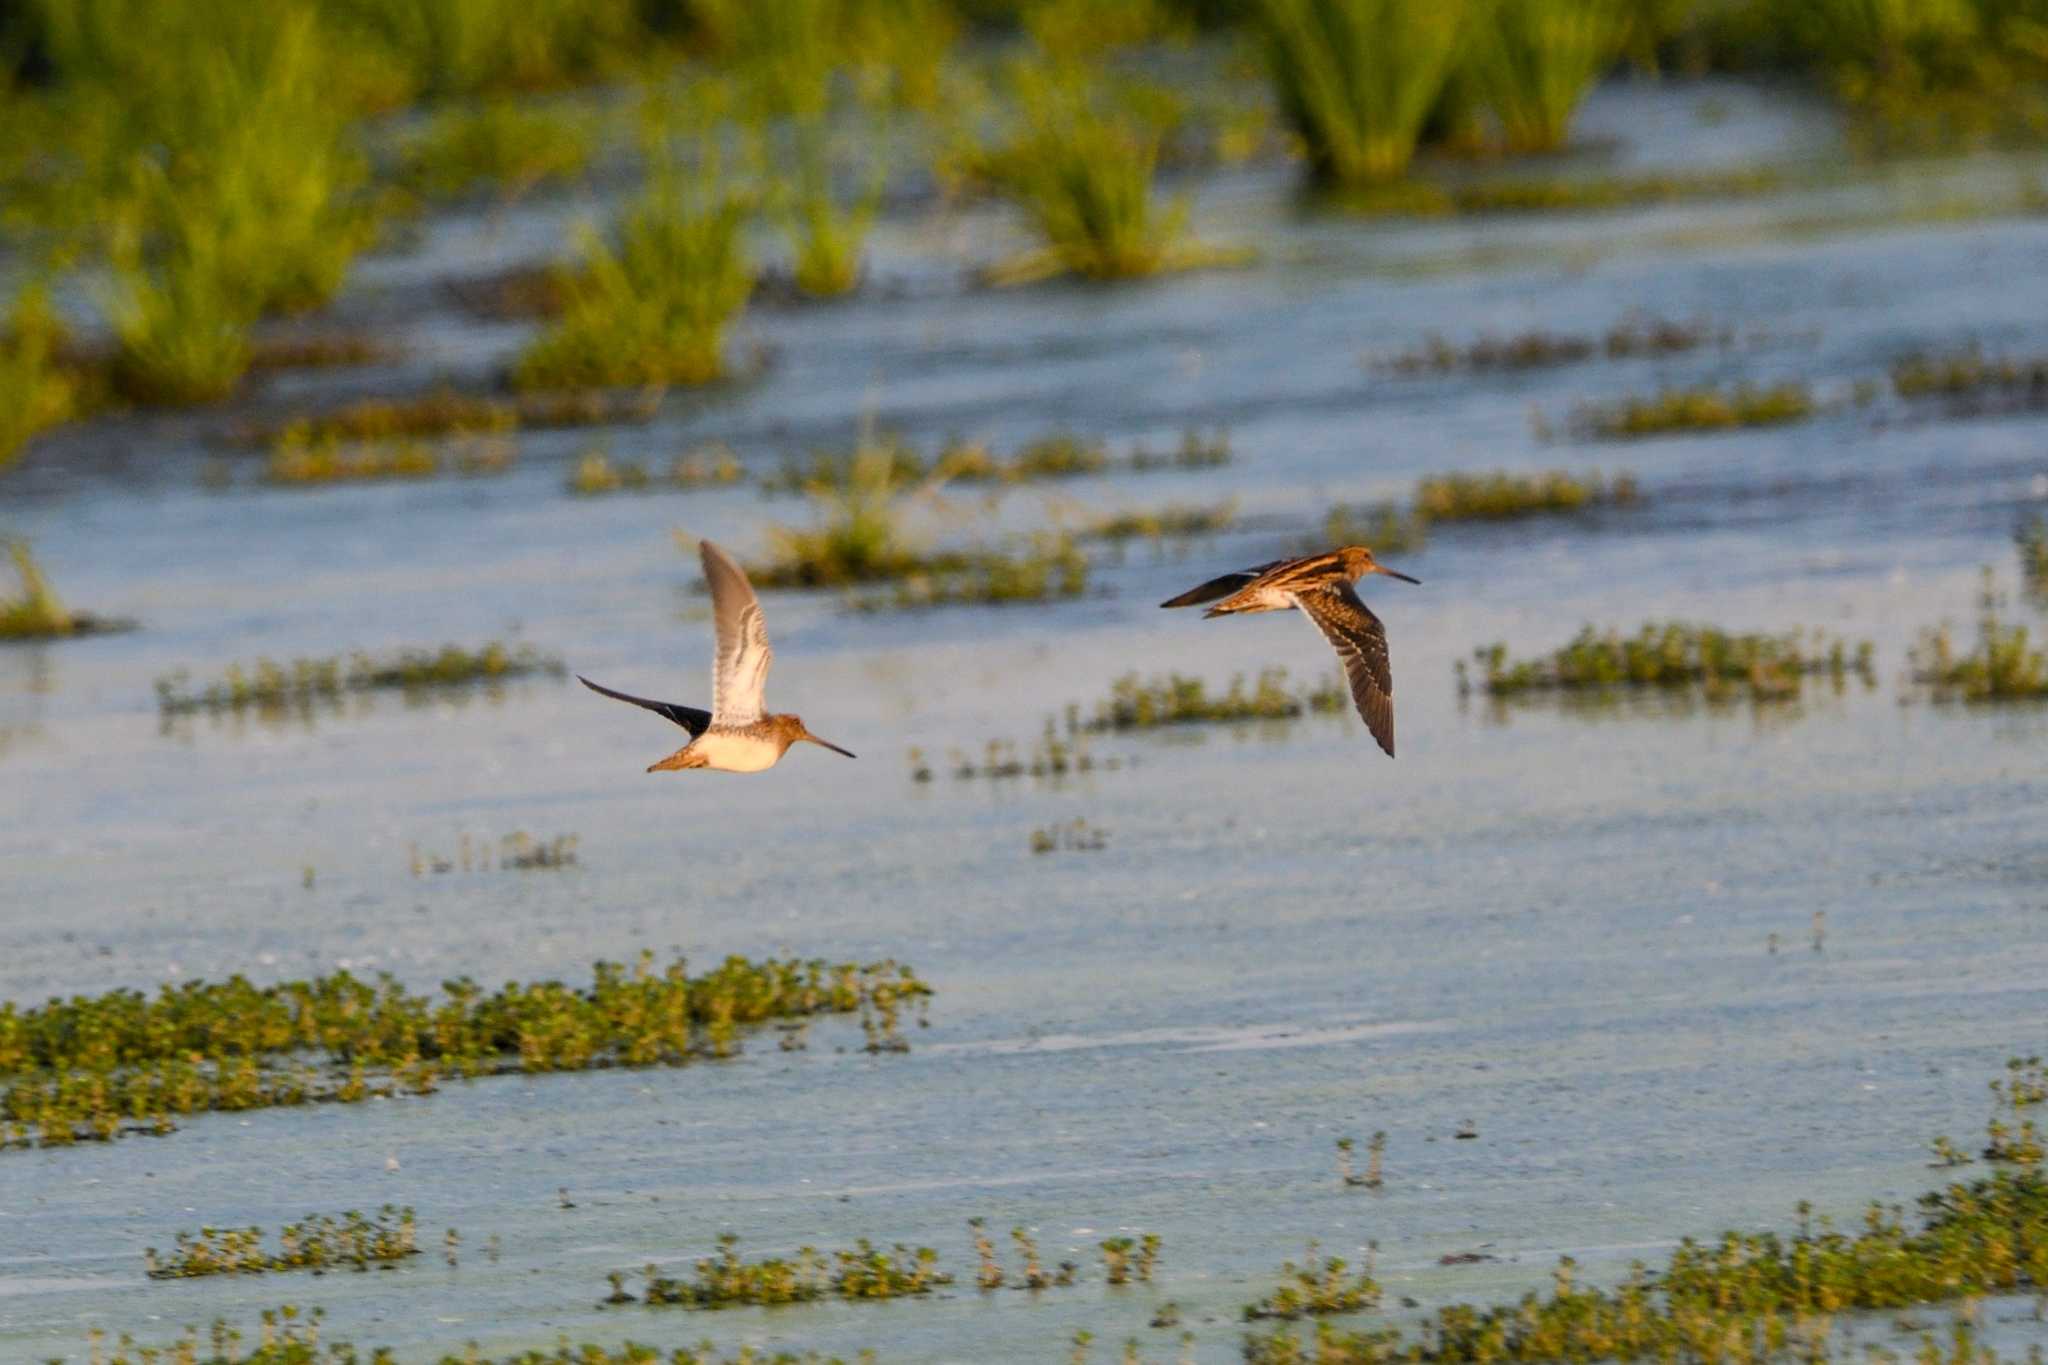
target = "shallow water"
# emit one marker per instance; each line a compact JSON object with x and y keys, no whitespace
{"x":1549,"y":922}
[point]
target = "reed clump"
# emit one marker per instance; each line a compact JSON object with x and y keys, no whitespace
{"x":1317,"y":1288}
{"x":650,"y":301}
{"x":2003,"y":665}
{"x":1675,"y":654}
{"x":319,"y":1242}
{"x":1674,"y":410}
{"x":94,"y":1067}
{"x":1503,"y":496}
{"x":1531,"y":63}
{"x":726,"y":1280}
{"x":504,"y":145}
{"x":1136,"y":703}
{"x":37,"y":390}
{"x":270,"y":686}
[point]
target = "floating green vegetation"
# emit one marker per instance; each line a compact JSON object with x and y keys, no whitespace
{"x":1970,"y":382}
{"x":318,"y":1242}
{"x":37,"y":613}
{"x":1075,"y":836}
{"x":2004,"y":666}
{"x":596,"y":473}
{"x":1051,"y":568}
{"x":1675,"y":654}
{"x":1136,"y":703}
{"x":1383,"y":525}
{"x":37,"y":391}
{"x":517,"y":852}
{"x":1376,"y":1152}
{"x":504,"y":144}
{"x":1503,"y":496}
{"x":1175,"y":521}
{"x":299,"y":460}
{"x":1356,"y":79}
{"x":269,"y":686}
{"x":1314,"y":1288}
{"x":446,"y":412}
{"x":990,"y":1273}
{"x":727,"y":1281}
{"x":650,"y":302}
{"x":1694,"y":410}
{"x":1080,"y":168}
{"x":1632,"y":337}
{"x":93,"y":1067}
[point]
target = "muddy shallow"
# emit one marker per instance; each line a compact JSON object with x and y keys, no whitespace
{"x":1549,"y":922}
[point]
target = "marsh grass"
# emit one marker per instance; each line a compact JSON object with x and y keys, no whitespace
{"x":2004,"y":665}
{"x":1316,"y":1288}
{"x":1034,"y":1275}
{"x":1075,"y":836}
{"x":2031,"y":540}
{"x":318,"y":351}
{"x":37,"y":391}
{"x":1386,"y":526}
{"x":37,"y":613}
{"x":503,"y":145}
{"x":1531,"y":63}
{"x":727,"y":1281}
{"x":94,"y":1067}
{"x":1676,"y":655}
{"x":1676,"y":410}
{"x":1969,"y":382}
{"x":1136,"y":703}
{"x":1055,"y":455}
{"x":1505,"y":496}
{"x":298,"y":461}
{"x":1079,"y":166}
{"x":1052,"y":756}
{"x":1516,"y":194}
{"x":826,"y":227}
{"x":268,"y":686}
{"x":650,"y":301}
{"x":1049,"y":567}
{"x":1356,"y":79}
{"x":319,"y":1242}
{"x":856,"y":535}
{"x":596,"y":473}
{"x":1629,"y":338}
{"x":516,"y":852}
{"x":1175,"y":521}
{"x":450,"y":412}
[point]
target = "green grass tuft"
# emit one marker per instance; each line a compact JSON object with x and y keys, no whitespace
{"x":1503,"y":496}
{"x":2004,"y":665}
{"x":1136,"y":703}
{"x":1531,"y":62}
{"x":501,"y":144}
{"x":1675,"y":655}
{"x":1674,"y":410}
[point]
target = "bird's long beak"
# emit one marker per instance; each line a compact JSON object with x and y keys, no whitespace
{"x":1381,"y":568}
{"x":825,"y":744}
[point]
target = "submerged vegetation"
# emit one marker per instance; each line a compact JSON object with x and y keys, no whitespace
{"x":94,"y":1067}
{"x":1136,"y":703}
{"x":318,"y":1242}
{"x":303,"y":683}
{"x":1675,"y":655}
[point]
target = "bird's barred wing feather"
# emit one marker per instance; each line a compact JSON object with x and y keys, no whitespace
{"x":740,"y":671}
{"x":1361,"y":644}
{"x":689,"y":717}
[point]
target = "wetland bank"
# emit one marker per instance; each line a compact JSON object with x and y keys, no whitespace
{"x":1709,"y":908}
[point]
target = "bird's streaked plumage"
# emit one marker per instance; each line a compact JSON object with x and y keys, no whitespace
{"x":736,"y":734}
{"x":1320,"y":586}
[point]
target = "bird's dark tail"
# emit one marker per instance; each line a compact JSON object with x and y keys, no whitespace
{"x":1210,"y":591}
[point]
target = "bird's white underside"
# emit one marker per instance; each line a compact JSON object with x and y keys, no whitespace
{"x":729,"y":753}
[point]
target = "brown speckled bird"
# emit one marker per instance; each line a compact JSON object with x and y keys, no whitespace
{"x":1320,"y":585}
{"x":735,"y":735}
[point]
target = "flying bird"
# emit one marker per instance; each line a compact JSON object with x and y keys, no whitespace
{"x":735,"y":735}
{"x":1321,"y":586}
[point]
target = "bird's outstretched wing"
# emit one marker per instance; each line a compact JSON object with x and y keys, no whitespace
{"x":689,"y":717}
{"x":1220,"y":587}
{"x":1361,"y":644}
{"x":740,"y":671}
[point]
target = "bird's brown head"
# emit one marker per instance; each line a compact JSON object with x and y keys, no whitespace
{"x":1358,"y":562}
{"x":793,"y":726}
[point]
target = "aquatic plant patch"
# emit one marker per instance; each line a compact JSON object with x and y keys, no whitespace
{"x":297,"y":461}
{"x":1074,"y":836}
{"x":1056,"y":455}
{"x":502,"y":145}
{"x":1136,"y":703}
{"x":1052,"y":755}
{"x":37,"y":613}
{"x":2004,"y":664}
{"x":1386,"y":526}
{"x":318,"y":1242}
{"x":596,"y":473}
{"x":1175,"y":521}
{"x":1674,"y":654}
{"x":1675,"y":410}
{"x":449,"y":412}
{"x":1539,"y":349}
{"x":990,"y":1273}
{"x":1504,"y":496}
{"x":1050,"y":568}
{"x":94,"y":1067}
{"x":727,"y":1280}
{"x":515,"y":852}
{"x":301,"y":684}
{"x":1315,"y":1288}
